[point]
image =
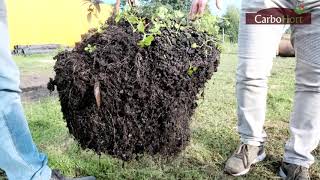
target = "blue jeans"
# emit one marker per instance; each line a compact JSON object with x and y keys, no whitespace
{"x":19,"y":157}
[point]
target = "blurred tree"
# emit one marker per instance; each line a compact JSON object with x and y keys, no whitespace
{"x":182,"y":5}
{"x":230,"y":23}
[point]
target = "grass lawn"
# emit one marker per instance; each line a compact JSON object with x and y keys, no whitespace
{"x":35,"y":63}
{"x":214,"y":135}
{"x":35,"y":70}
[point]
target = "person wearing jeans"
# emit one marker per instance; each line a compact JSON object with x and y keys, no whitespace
{"x":19,"y":157}
{"x":257,"y":47}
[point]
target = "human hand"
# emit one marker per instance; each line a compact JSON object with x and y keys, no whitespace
{"x":198,"y":7}
{"x":117,"y":4}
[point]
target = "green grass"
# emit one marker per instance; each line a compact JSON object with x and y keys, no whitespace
{"x":35,"y":63}
{"x":214,"y":135}
{"x":229,"y":48}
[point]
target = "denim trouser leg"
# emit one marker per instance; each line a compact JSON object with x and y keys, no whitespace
{"x":9,"y":74}
{"x":19,"y":157}
{"x":257,"y":47}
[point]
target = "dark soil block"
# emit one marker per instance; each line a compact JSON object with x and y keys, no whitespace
{"x":148,"y":95}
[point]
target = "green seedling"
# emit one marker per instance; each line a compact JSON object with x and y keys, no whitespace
{"x":90,"y":49}
{"x":192,"y":70}
{"x":194,"y":45}
{"x":146,"y":41}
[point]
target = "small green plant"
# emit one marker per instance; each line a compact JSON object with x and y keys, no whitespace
{"x":146,"y":41}
{"x":163,"y":16}
{"x":192,"y":70}
{"x":160,"y":16}
{"x":149,"y":20}
{"x":207,"y":23}
{"x":138,"y":24}
{"x":90,"y":49}
{"x":102,"y":26}
{"x":194,"y":45}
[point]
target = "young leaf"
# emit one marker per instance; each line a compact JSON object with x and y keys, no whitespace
{"x":118,"y":17}
{"x":190,"y":72}
{"x":178,"y":14}
{"x":155,"y":30}
{"x":141,"y":43}
{"x":140,"y":27}
{"x":162,"y":12}
{"x":177,"y":26}
{"x":194,"y":45}
{"x":133,"y":19}
{"x":148,"y":40}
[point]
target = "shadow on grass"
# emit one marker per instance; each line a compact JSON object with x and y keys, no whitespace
{"x":273,"y":163}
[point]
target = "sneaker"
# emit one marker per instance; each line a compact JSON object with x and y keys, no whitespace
{"x":56,"y":175}
{"x":293,"y":172}
{"x":240,"y":162}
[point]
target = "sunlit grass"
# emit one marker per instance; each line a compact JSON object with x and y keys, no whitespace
{"x":35,"y":63}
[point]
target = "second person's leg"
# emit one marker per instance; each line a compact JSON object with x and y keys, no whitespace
{"x":257,"y":47}
{"x":305,"y":118}
{"x":19,"y":156}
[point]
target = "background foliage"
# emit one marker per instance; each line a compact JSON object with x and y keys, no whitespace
{"x":230,"y":23}
{"x":182,"y":5}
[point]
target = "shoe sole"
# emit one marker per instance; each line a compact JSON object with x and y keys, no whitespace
{"x":282,"y":174}
{"x":258,"y":159}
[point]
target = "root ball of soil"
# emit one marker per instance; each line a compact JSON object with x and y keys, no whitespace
{"x":121,"y":99}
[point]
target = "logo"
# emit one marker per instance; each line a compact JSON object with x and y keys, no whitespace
{"x":298,"y":15}
{"x":299,"y":7}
